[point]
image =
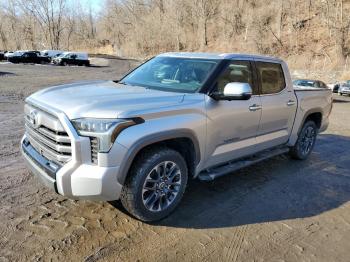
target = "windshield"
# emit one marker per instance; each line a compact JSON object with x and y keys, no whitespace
{"x":172,"y":74}
{"x":62,"y":55}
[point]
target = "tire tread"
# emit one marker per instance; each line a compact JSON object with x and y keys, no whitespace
{"x":130,"y":188}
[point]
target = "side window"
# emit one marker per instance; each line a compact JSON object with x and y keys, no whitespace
{"x":271,"y":77}
{"x":236,"y":71}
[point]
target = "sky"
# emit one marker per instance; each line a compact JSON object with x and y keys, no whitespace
{"x":95,"y":4}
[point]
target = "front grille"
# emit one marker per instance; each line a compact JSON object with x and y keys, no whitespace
{"x":47,"y":136}
{"x":94,"y":149}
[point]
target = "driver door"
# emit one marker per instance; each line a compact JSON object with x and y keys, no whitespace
{"x":233,"y":125}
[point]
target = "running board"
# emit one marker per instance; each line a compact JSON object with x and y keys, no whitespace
{"x":213,"y":173}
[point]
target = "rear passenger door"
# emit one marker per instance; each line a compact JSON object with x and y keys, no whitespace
{"x":278,"y":103}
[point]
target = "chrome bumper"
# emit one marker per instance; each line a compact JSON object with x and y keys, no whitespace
{"x":40,"y":166}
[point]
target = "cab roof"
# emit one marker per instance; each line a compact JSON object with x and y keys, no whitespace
{"x":219,"y":56}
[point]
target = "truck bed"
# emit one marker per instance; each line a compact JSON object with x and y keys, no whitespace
{"x":311,"y":100}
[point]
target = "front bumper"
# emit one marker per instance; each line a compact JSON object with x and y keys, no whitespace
{"x":85,"y":181}
{"x":40,"y":166}
{"x":78,"y":178}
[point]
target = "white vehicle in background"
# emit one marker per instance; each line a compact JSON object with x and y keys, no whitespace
{"x":51,"y":53}
{"x":8,"y":54}
{"x":16,"y":53}
{"x":344,"y":89}
{"x":72,"y":58}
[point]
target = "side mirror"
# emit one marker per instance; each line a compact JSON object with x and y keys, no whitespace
{"x":234,"y":91}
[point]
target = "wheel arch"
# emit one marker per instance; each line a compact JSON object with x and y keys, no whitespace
{"x":182,"y":140}
{"x":314,"y":115}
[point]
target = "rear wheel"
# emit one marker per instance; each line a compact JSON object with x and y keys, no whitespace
{"x":306,"y":141}
{"x":155,"y":184}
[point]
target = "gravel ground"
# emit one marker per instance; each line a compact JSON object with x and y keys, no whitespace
{"x":278,"y":210}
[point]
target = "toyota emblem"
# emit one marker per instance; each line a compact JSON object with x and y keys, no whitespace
{"x":33,"y":119}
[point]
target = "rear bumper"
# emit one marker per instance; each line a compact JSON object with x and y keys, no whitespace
{"x":73,"y":180}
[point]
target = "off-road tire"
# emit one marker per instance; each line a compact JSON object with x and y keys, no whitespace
{"x":131,"y":196}
{"x":297,"y":151}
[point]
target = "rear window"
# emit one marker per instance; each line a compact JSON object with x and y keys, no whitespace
{"x":271,"y":77}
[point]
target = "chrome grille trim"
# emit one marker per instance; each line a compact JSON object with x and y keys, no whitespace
{"x":54,"y":145}
{"x":48,"y":137}
{"x":54,"y":135}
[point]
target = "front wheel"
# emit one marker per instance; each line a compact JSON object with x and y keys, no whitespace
{"x":155,"y":184}
{"x":306,"y":141}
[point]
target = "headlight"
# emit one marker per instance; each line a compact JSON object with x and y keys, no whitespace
{"x":105,"y":130}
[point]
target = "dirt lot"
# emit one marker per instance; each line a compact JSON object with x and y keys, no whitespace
{"x":279,"y":210}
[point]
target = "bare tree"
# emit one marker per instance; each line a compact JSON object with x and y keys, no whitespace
{"x":49,"y":15}
{"x":307,"y":30}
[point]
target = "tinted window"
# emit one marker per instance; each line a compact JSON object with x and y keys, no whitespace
{"x":236,"y":71}
{"x":271,"y":77}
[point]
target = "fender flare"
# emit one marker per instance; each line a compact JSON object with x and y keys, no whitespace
{"x":307,"y":114}
{"x":152,"y":139}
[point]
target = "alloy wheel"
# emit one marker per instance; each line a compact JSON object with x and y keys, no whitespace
{"x":161,"y":186}
{"x":308,"y":140}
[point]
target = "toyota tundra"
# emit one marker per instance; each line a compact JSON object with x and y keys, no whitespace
{"x":175,"y":117}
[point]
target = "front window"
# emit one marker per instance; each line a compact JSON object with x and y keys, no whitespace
{"x":172,"y":74}
{"x":236,"y":72}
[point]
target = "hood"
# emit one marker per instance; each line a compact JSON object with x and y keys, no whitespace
{"x":104,"y":99}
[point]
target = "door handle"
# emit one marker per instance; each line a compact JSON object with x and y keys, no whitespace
{"x":291,"y":103}
{"x":255,"y":107}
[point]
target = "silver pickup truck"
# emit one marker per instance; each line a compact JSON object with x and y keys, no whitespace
{"x":175,"y":117}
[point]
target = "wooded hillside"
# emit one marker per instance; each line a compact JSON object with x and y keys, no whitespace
{"x":308,"y":33}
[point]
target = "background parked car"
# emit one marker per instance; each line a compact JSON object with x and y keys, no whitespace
{"x":51,"y":53}
{"x":344,"y":89}
{"x":309,"y":83}
{"x":8,"y":54}
{"x":2,"y":56}
{"x":28,"y":57}
{"x":72,"y":58}
{"x":335,"y":87}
